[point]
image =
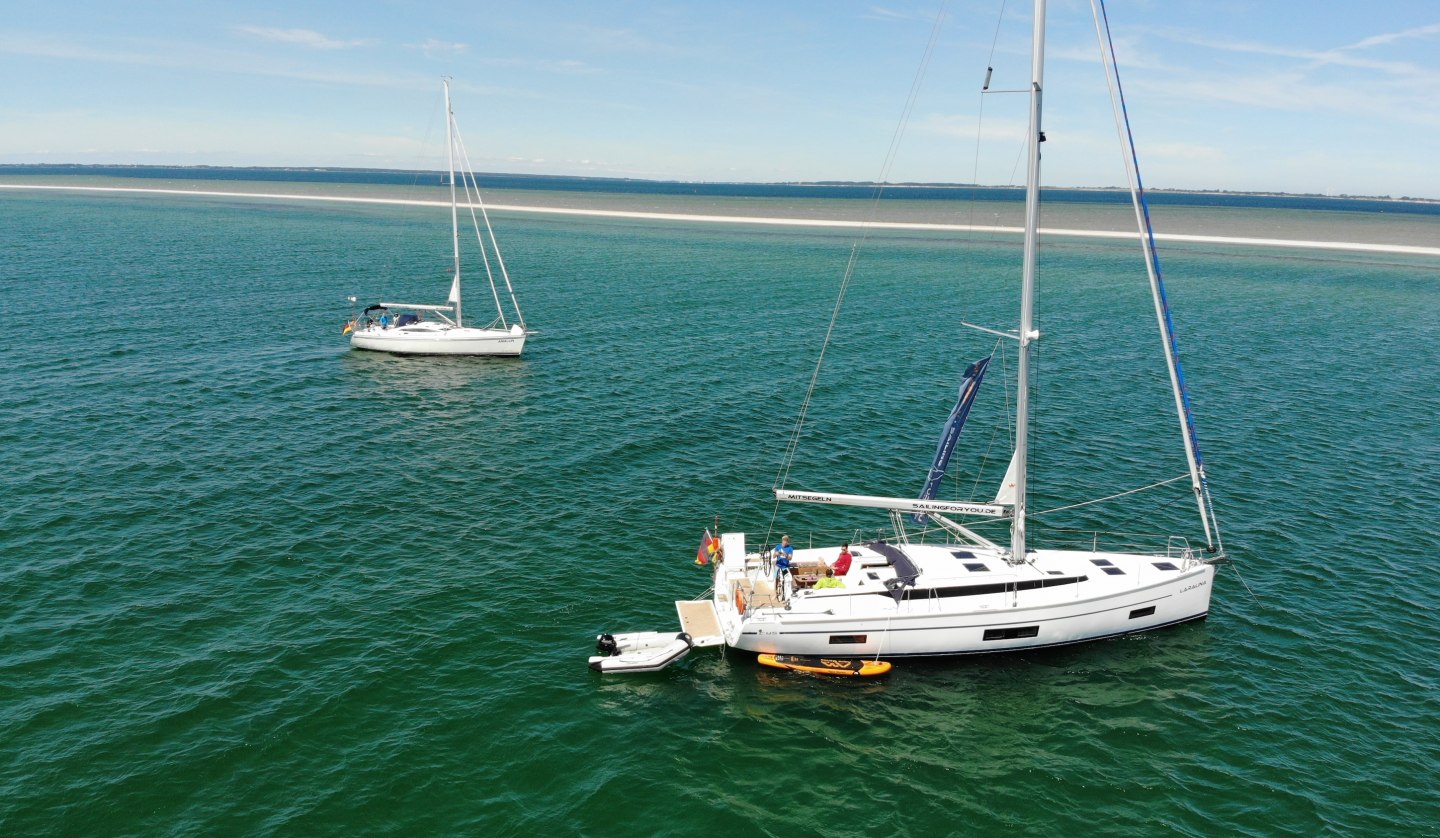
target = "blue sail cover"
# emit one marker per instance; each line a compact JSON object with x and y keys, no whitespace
{"x":969,"y":386}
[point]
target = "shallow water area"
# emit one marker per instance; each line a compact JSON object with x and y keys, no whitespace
{"x":1284,"y":218}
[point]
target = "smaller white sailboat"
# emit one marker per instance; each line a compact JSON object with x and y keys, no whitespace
{"x":421,"y":329}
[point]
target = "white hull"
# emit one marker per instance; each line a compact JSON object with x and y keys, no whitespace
{"x":439,"y":339}
{"x":1059,"y":597}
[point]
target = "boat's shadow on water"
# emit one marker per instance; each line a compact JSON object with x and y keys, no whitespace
{"x":416,"y":375}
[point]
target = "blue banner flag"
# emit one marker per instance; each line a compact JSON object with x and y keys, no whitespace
{"x":969,"y":386}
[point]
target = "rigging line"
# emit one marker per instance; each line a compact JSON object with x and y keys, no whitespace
{"x":984,"y":461}
{"x":1132,"y":163}
{"x":473,"y":183}
{"x":471,"y":188}
{"x":1111,"y":497}
{"x":885,"y":632}
{"x":995,"y":39}
{"x":1243,"y":583}
{"x":980,"y":112}
{"x":915,"y":84}
{"x":783,"y":475}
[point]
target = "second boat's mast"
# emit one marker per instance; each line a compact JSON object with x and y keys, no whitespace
{"x":454,"y":210}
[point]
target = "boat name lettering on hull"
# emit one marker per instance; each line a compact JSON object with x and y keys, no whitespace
{"x":1192,"y":587}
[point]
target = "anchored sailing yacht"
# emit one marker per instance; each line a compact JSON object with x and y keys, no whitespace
{"x":421,"y":329}
{"x":969,"y":594}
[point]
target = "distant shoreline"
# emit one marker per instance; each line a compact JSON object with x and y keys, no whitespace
{"x":590,"y":183}
{"x":1250,"y":241}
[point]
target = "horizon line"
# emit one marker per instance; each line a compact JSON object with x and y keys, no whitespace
{"x":824,"y":182}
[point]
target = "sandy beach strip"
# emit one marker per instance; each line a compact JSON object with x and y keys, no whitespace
{"x":670,"y":216}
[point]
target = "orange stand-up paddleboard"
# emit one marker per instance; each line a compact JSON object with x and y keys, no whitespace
{"x":826,"y":666}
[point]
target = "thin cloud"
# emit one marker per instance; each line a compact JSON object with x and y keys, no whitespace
{"x":1292,"y":92}
{"x":1377,"y":40}
{"x":1383,"y":88}
{"x":615,"y":40}
{"x":1133,"y":54}
{"x":963,"y":127}
{"x":435,"y":47}
{"x":559,"y":66}
{"x":882,"y":13}
{"x":44,"y":46}
{"x":1336,"y":57}
{"x":187,"y":57}
{"x":298,"y":37}
{"x":1185,"y":152}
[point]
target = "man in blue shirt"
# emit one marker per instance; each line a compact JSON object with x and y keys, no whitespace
{"x":783,"y":554}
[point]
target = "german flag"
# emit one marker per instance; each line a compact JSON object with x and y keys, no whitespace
{"x":709,"y":546}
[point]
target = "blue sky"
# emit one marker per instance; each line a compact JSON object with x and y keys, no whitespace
{"x":1339,"y":98}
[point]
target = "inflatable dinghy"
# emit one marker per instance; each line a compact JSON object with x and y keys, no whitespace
{"x":641,"y":651}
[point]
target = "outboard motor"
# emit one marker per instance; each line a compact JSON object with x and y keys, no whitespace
{"x":606,"y":645}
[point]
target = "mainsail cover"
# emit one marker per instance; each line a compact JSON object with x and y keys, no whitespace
{"x":950,"y":435}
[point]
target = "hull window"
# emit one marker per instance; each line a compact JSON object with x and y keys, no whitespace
{"x":846,"y":639}
{"x":1142,"y":612}
{"x":1011,"y":633}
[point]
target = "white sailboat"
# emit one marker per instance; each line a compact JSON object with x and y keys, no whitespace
{"x":907,"y":595}
{"x":421,"y":329}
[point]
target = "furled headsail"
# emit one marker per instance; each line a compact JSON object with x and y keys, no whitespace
{"x":950,"y":435}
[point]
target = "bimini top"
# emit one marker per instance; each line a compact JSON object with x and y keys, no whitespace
{"x":905,"y":570}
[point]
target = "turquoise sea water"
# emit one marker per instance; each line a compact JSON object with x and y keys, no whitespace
{"x":257,"y":583}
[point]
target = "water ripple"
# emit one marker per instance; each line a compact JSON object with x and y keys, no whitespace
{"x":257,"y":583}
